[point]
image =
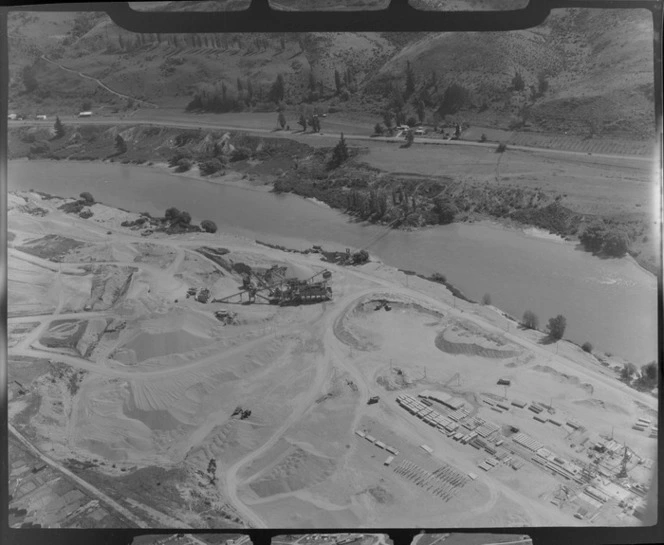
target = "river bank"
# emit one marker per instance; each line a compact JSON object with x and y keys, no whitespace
{"x":519,"y":272}
{"x":366,"y":187}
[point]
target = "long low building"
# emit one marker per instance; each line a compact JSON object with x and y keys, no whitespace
{"x":527,"y":441}
{"x":444,"y":398}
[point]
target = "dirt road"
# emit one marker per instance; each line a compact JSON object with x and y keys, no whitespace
{"x":324,"y":138}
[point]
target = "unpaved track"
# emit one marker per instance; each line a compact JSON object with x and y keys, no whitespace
{"x":98,"y":82}
{"x":323,"y":369}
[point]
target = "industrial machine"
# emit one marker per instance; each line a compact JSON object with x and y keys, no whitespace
{"x":282,"y":292}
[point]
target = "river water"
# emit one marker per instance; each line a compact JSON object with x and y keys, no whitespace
{"x":608,"y":302}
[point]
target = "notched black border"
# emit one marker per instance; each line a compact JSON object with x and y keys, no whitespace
{"x":259,"y":17}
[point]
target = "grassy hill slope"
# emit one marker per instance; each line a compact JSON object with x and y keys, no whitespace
{"x":596,"y":64}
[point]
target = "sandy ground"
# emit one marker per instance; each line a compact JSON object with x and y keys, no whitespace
{"x":115,"y":363}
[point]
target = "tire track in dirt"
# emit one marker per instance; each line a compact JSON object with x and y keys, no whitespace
{"x":98,"y":82}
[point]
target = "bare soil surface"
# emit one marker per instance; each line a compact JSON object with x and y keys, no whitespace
{"x":134,"y":388}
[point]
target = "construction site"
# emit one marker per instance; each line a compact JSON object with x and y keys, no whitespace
{"x":206,"y":381}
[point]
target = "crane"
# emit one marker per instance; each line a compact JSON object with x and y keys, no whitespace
{"x":627,"y":454}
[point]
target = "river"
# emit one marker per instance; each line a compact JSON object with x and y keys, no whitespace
{"x":609,"y":302}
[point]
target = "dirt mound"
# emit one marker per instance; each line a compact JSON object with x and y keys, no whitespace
{"x":300,"y":272}
{"x":352,"y":335}
{"x":148,"y":345}
{"x":444,"y":344}
{"x":381,"y":495}
{"x":109,"y":284}
{"x":389,"y":384}
{"x":53,"y":247}
{"x":601,"y":405}
{"x":300,"y":469}
{"x":562,"y":377}
{"x":155,"y":420}
{"x":64,"y":335}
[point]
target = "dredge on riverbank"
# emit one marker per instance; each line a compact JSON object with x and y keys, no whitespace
{"x":283,"y":292}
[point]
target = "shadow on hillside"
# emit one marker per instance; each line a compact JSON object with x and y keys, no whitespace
{"x":546,"y":340}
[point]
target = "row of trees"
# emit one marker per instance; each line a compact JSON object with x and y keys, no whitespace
{"x":555,"y":327}
{"x":223,"y":41}
{"x":220,"y":99}
{"x":647,"y":379}
{"x":398,"y":110}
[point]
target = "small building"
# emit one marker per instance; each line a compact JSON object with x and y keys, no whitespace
{"x":85,"y":114}
{"x":41,"y":117}
{"x":504,"y":382}
{"x":388,"y":460}
{"x":427,"y":448}
{"x":380,"y":444}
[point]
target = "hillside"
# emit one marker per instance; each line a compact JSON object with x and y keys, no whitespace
{"x":586,"y":72}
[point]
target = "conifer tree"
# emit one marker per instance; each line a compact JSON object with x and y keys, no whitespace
{"x":410,"y":80}
{"x":340,"y":153}
{"x":59,"y":128}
